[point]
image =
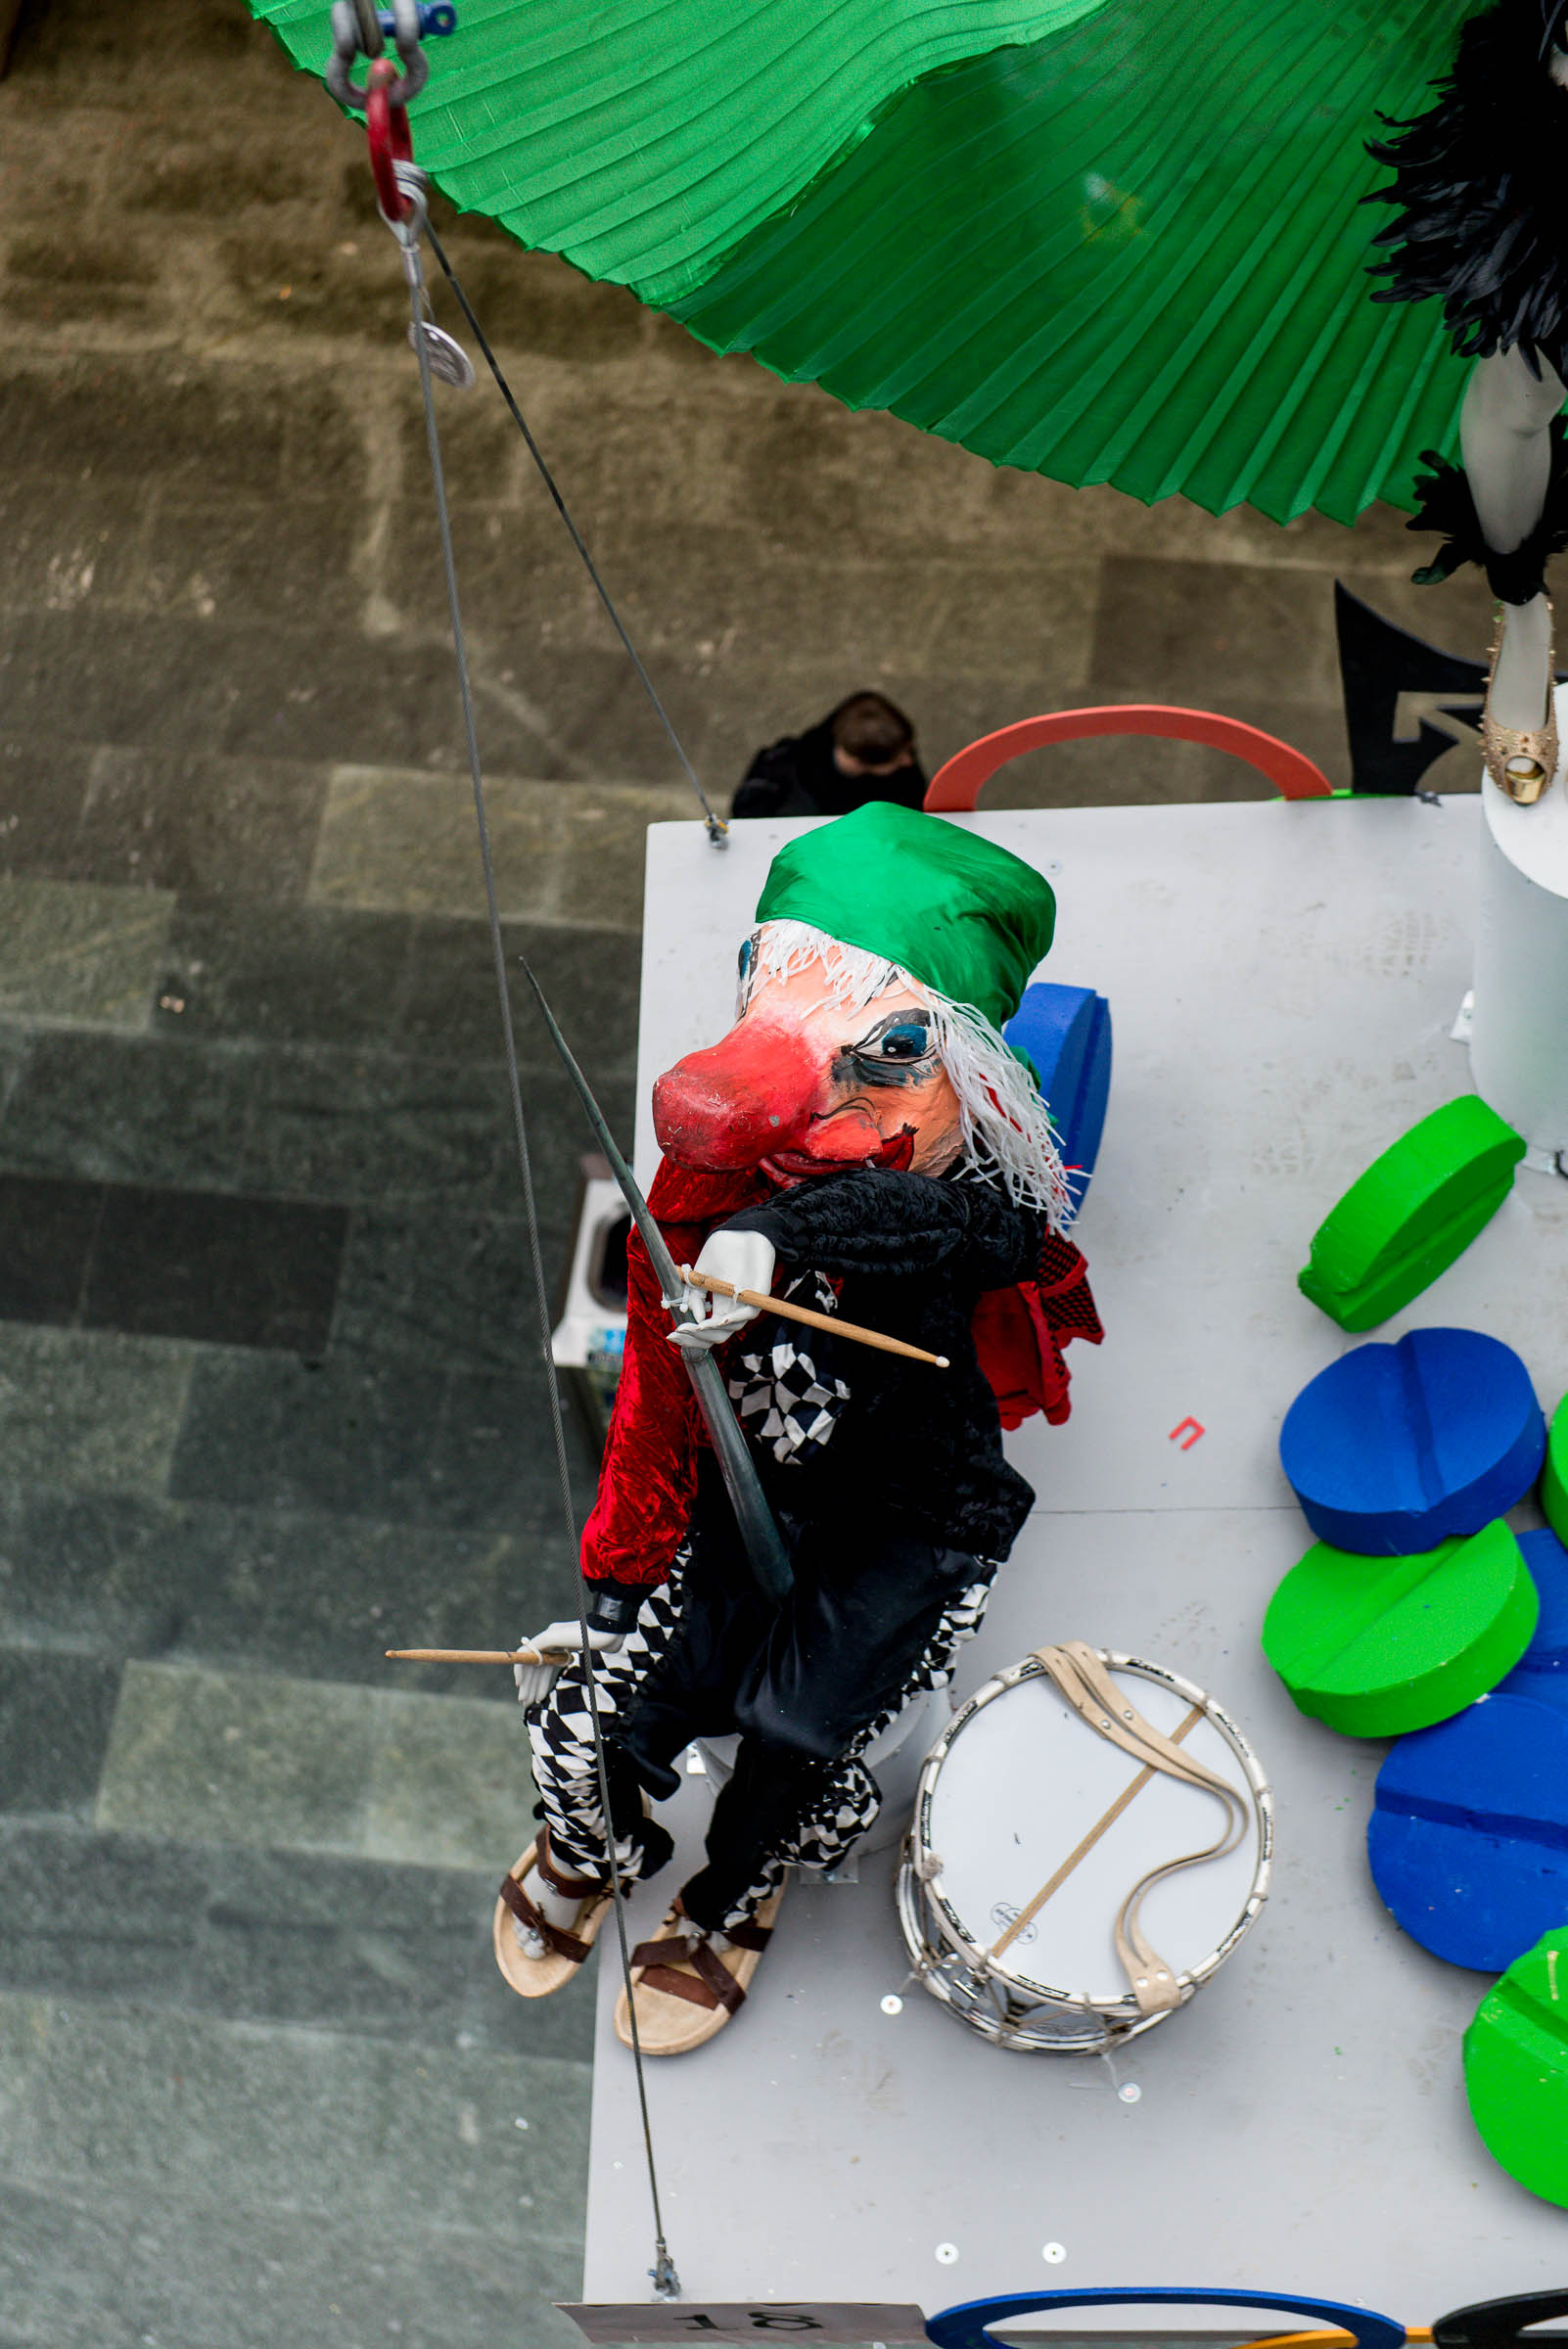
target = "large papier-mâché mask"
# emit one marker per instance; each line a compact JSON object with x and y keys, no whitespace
{"x":805,"y":1084}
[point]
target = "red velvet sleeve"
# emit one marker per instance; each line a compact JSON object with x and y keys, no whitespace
{"x":650,"y":1455}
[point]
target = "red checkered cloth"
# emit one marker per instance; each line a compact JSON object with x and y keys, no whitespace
{"x":1020,"y":1334}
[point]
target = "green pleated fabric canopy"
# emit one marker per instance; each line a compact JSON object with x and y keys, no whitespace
{"x":1104,"y":240}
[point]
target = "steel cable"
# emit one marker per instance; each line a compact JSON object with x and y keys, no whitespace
{"x":718,"y":829}
{"x":667,"y":2283}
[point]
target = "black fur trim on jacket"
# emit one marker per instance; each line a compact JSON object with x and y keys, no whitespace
{"x":917,"y":1450}
{"x":1481,"y":192}
{"x":1447,"y":505}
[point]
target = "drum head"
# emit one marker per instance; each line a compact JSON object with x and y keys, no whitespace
{"x":1024,"y":1780}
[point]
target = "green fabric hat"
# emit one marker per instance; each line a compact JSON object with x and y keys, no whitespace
{"x":959,"y":914}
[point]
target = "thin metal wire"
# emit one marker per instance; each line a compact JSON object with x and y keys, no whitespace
{"x":718,"y":829}
{"x":667,"y":2283}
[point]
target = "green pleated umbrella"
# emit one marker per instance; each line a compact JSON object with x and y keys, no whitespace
{"x":1104,"y":240}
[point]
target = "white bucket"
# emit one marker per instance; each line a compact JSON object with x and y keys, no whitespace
{"x":1519,"y":1029}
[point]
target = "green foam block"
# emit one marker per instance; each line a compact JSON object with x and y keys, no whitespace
{"x":1376,"y":1646}
{"x":1516,"y":2068}
{"x":1554,"y":1475}
{"x":1414,"y":1210}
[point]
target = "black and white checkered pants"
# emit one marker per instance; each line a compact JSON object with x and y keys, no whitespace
{"x":808,"y":1687}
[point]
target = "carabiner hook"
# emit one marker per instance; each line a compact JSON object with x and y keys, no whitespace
{"x":389,"y":140}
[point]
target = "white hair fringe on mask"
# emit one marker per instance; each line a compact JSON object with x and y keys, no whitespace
{"x":1007,"y":1133}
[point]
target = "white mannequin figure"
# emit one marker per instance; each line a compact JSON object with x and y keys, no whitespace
{"x":1479,"y":225}
{"x":1504,"y":434}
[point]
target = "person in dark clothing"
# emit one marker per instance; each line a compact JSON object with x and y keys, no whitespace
{"x":863,"y":750}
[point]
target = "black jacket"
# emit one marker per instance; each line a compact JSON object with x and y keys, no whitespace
{"x":798,"y":777}
{"x":916,"y":1449}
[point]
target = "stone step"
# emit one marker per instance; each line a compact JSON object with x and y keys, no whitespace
{"x":315,"y":1766}
{"x":170,"y":2179}
{"x":371,"y":1949}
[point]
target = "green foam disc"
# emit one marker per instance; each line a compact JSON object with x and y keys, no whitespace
{"x":1376,"y":1646}
{"x":1516,"y":2068}
{"x":1415,"y":1209}
{"x":1555,"y":1475}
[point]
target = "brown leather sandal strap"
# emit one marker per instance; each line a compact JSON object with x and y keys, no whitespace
{"x":750,"y":1935}
{"x":563,"y":1945}
{"x":657,"y":1952}
{"x":721,"y":1981}
{"x":709,"y":1984}
{"x":570,"y":1888}
{"x":677,"y":1986}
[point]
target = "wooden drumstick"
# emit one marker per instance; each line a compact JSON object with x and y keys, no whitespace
{"x":800,"y":1312}
{"x":1026,"y":1915}
{"x":480,"y":1655}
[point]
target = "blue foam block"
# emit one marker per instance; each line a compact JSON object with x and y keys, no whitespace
{"x":1066,"y":1030}
{"x":1392,"y":1449}
{"x":1468,"y":1838}
{"x":1542,"y":1672}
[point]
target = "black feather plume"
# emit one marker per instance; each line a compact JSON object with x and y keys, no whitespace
{"x":1482,"y":194}
{"x":1446,"y":506}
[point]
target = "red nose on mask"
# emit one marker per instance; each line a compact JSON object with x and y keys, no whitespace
{"x":750,"y":1093}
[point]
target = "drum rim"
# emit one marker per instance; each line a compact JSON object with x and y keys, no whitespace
{"x":920,"y":1894}
{"x":1100,"y":2032}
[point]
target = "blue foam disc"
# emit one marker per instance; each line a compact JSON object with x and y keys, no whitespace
{"x":1542,"y":1672}
{"x":1392,"y":1449}
{"x":1468,"y":1839}
{"x":1066,"y":1030}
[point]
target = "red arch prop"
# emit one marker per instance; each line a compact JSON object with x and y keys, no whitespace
{"x":955,"y":788}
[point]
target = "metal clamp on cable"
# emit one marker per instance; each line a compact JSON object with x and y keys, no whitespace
{"x":356,"y":31}
{"x":442,"y":353}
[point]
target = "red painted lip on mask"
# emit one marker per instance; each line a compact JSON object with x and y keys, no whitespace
{"x":799,"y":1166}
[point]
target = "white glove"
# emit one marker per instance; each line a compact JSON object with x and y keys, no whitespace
{"x":561,"y":1641}
{"x":746,"y":1260}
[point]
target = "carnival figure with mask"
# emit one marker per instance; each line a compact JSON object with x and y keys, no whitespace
{"x":864,"y":1142}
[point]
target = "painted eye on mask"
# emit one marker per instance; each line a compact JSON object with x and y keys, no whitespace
{"x":910,"y":1039}
{"x":904,"y":1042}
{"x":900,"y":1050}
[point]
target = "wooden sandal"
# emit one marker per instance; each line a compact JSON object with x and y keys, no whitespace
{"x":685,"y":1989}
{"x":567,"y":1948}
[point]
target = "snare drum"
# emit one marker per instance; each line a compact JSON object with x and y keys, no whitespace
{"x":1091,"y":1838}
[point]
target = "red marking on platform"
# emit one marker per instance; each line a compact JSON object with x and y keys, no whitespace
{"x":1178,"y":1434}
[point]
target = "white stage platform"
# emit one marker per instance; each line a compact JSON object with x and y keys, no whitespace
{"x":1282,"y":981}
